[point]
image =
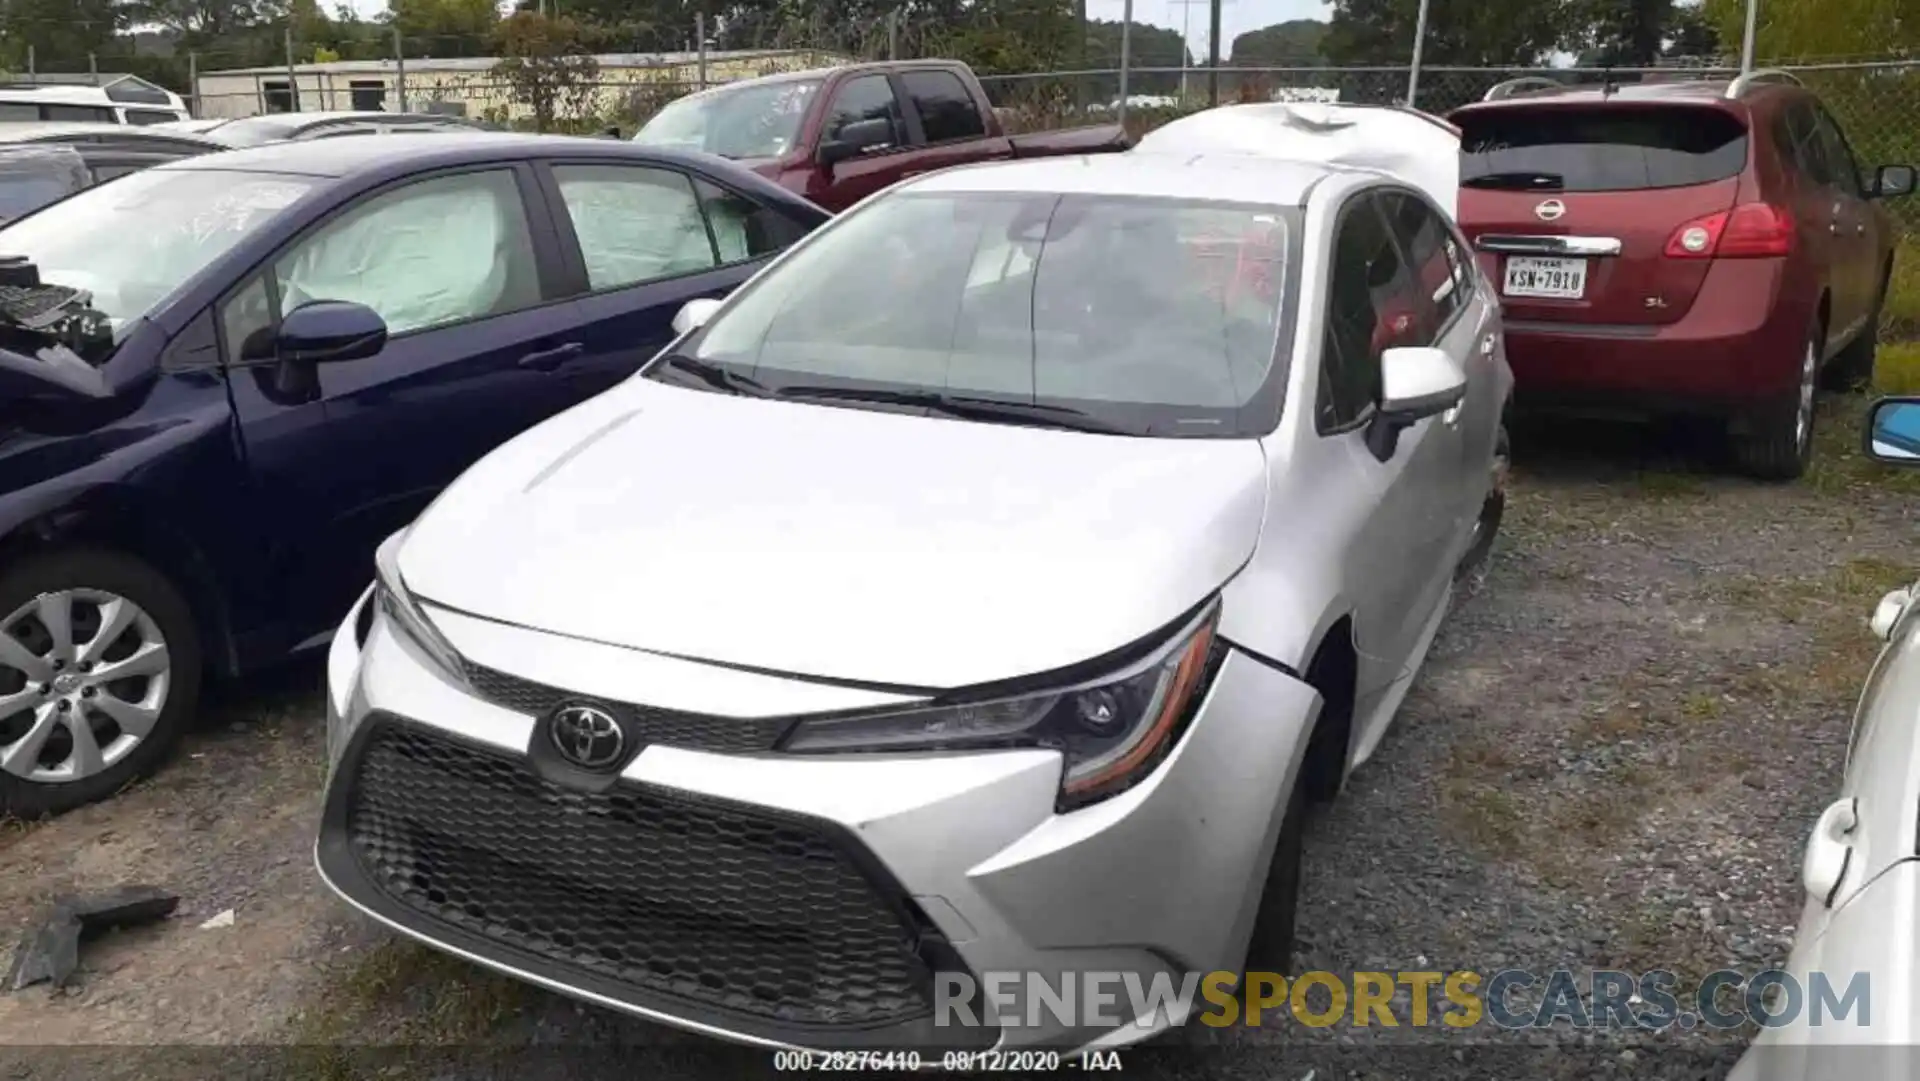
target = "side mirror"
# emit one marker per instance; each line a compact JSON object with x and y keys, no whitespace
{"x":325,"y":331}
{"x":1886,"y":614}
{"x":1416,"y":382}
{"x":1892,"y":180}
{"x":694,"y":314}
{"x":1419,"y":381}
{"x":854,"y":140}
{"x":1893,"y":431}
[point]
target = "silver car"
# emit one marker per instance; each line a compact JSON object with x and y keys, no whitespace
{"x":1848,"y":1004}
{"x":983,"y":589}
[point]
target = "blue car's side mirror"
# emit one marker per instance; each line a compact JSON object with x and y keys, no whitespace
{"x":1893,"y":431}
{"x":324,"y":331}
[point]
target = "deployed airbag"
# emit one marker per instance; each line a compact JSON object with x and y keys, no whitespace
{"x":637,"y":225}
{"x":435,"y":255}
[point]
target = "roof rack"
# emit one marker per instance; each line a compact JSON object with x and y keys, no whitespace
{"x":1740,"y":85}
{"x":1522,"y":85}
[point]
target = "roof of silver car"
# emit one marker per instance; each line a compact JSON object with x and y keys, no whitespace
{"x":1234,"y":178}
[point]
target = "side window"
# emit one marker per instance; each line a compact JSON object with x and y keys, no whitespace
{"x":430,"y":253}
{"x":1807,"y":148}
{"x":946,"y":110}
{"x":634,"y":224}
{"x":16,"y":112}
{"x":149,"y":116}
{"x":742,"y":228}
{"x":870,"y":97}
{"x":102,"y":173}
{"x":246,"y":321}
{"x":1370,"y":309}
{"x":77,"y":114}
{"x":1833,"y":146}
{"x":1427,"y":241}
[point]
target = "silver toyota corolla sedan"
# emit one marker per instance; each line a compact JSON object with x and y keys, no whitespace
{"x":983,"y":589}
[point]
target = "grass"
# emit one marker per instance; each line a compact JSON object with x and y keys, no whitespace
{"x":1896,"y":366}
{"x":1900,"y":318}
{"x":401,"y":994}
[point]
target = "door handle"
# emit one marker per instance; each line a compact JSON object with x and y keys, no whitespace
{"x":547,"y":360}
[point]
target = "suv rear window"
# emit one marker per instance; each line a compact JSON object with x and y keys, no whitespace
{"x":1604,"y":149}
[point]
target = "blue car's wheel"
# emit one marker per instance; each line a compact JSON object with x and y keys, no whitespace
{"x":99,"y":671}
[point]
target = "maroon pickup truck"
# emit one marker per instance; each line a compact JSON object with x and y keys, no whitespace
{"x":838,"y":135}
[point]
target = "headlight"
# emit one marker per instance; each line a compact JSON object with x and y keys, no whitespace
{"x":1112,"y":731}
{"x":403,"y":613}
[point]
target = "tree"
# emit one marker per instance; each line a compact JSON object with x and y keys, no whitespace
{"x":545,"y":62}
{"x":1293,"y":43}
{"x":1010,"y":36}
{"x":1623,"y":33}
{"x":1692,"y":34}
{"x":1480,"y":33}
{"x":60,"y":33}
{"x":1804,"y":29}
{"x":451,"y":27}
{"x":1147,"y":47}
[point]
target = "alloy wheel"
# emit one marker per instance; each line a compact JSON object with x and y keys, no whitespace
{"x":1809,"y":380}
{"x":84,"y":675}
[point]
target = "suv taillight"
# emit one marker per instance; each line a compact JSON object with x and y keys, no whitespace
{"x":1748,"y":231}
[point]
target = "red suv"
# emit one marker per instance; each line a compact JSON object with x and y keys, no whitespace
{"x":1693,"y":247}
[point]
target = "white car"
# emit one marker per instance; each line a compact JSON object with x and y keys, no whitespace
{"x":1850,"y":1004}
{"x":982,"y":589}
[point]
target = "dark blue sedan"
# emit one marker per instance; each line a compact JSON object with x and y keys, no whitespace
{"x":224,"y":380}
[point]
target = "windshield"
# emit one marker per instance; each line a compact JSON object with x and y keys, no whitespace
{"x":130,"y":242}
{"x":759,"y":121}
{"x":1149,"y":316}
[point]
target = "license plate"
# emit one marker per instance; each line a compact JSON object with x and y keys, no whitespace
{"x":1559,"y":279}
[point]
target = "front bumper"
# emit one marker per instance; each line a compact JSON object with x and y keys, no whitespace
{"x":963,"y":852}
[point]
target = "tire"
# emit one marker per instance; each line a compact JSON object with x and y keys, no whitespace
{"x":1270,"y":947}
{"x":1486,"y":529}
{"x":45,"y":685}
{"x":1853,"y":369}
{"x":1776,"y":441}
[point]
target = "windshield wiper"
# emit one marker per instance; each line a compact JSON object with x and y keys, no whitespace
{"x":966,"y":407}
{"x":1523,"y":181}
{"x":717,"y":377}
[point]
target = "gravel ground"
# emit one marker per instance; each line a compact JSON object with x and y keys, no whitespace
{"x":1610,"y":761}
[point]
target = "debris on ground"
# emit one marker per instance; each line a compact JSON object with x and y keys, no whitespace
{"x":51,"y":951}
{"x":224,"y":919}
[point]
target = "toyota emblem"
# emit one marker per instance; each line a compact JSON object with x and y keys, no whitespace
{"x":1551,"y":210}
{"x":587,"y":736}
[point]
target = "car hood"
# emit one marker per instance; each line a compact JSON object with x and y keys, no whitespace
{"x":834,"y":542}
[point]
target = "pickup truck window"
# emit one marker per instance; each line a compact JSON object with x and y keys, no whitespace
{"x":754,"y":121}
{"x":947,"y":111}
{"x":869,"y":97}
{"x":1135,"y":312}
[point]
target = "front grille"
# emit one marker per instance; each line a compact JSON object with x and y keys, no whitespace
{"x":666,"y":894}
{"x":649,"y":724}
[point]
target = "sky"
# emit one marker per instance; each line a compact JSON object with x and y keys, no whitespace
{"x":1236,"y":16}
